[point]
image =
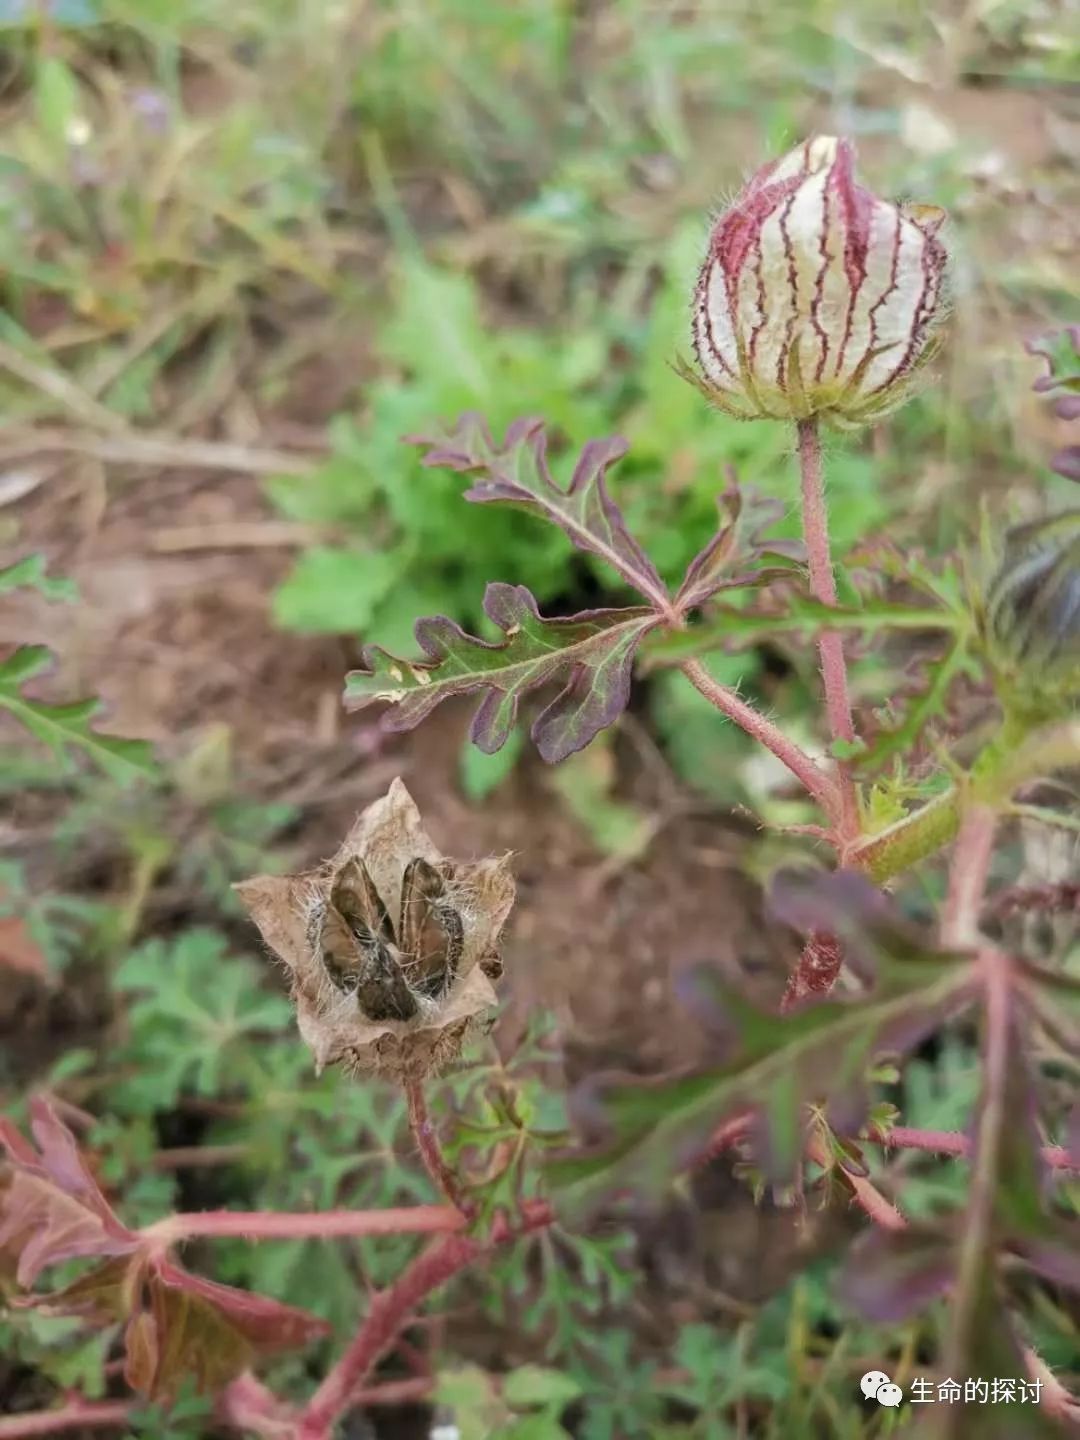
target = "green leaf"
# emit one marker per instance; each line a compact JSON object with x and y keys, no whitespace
{"x":29,"y":572}
{"x":539,"y":1426}
{"x":469,"y":1392}
{"x":481,"y":774}
{"x":337,"y":592}
{"x":586,"y":784}
{"x":591,"y":654}
{"x":726,"y":625}
{"x":62,"y":726}
{"x":56,"y":98}
{"x":928,"y":704}
{"x":190,"y":1007}
{"x":516,"y":473}
{"x":534,"y":1385}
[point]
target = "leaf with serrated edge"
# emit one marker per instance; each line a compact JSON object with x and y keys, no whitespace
{"x":61,"y":726}
{"x":819,"y":1053}
{"x":591,"y":654}
{"x":726,"y":562}
{"x":52,"y":1210}
{"x":654,"y":1127}
{"x":891,"y":1275}
{"x":30,"y":572}
{"x":516,"y":473}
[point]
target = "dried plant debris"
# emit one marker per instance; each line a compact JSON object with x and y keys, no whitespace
{"x":392,"y":948}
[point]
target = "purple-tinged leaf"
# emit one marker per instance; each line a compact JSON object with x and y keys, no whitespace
{"x":727,"y":561}
{"x":1053,"y":999}
{"x":783,"y":1063}
{"x":1061,"y":351}
{"x":1066,"y":462}
{"x":176,"y":1325}
{"x":516,"y":473}
{"x":590,"y":654}
{"x":927,"y":684}
{"x":890,"y":1275}
{"x":1056,"y":1254}
{"x":51,"y":1208}
{"x":846,"y":904}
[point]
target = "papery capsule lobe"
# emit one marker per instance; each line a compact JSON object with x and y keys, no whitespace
{"x":817,"y":297}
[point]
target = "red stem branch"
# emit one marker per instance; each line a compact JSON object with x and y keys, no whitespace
{"x":389,"y":1311}
{"x":830,"y":644}
{"x":952,"y":1142}
{"x":393,"y":1308}
{"x":977,"y":1235}
{"x":968,"y":871}
{"x":260,"y":1225}
{"x":423,"y":1129}
{"x":865,"y":1193}
{"x":77,"y":1414}
{"x":813,"y":778}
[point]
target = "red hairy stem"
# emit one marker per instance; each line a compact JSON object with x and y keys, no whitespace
{"x":391,"y":1309}
{"x":866,"y":1195}
{"x":813,"y":778}
{"x":815,"y":521}
{"x":952,"y":1142}
{"x":329,"y":1224}
{"x":997,"y":976}
{"x":968,"y":872}
{"x":396,"y":1392}
{"x":1056,"y":1400}
{"x":423,"y":1129}
{"x":75,"y":1415}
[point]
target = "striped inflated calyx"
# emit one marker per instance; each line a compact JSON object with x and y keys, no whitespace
{"x":817,"y":297}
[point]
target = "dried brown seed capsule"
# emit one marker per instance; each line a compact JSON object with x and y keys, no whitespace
{"x":391,"y":947}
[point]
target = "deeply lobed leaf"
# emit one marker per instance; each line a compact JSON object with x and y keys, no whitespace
{"x":51,"y":1208}
{"x":64,"y":726}
{"x":732,"y":558}
{"x":30,"y":572}
{"x":817,"y":1054}
{"x":175,"y":1324}
{"x":517,"y":473}
{"x":591,"y":654}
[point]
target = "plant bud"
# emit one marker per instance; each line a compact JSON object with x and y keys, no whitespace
{"x":1030,"y":617}
{"x":816,"y":296}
